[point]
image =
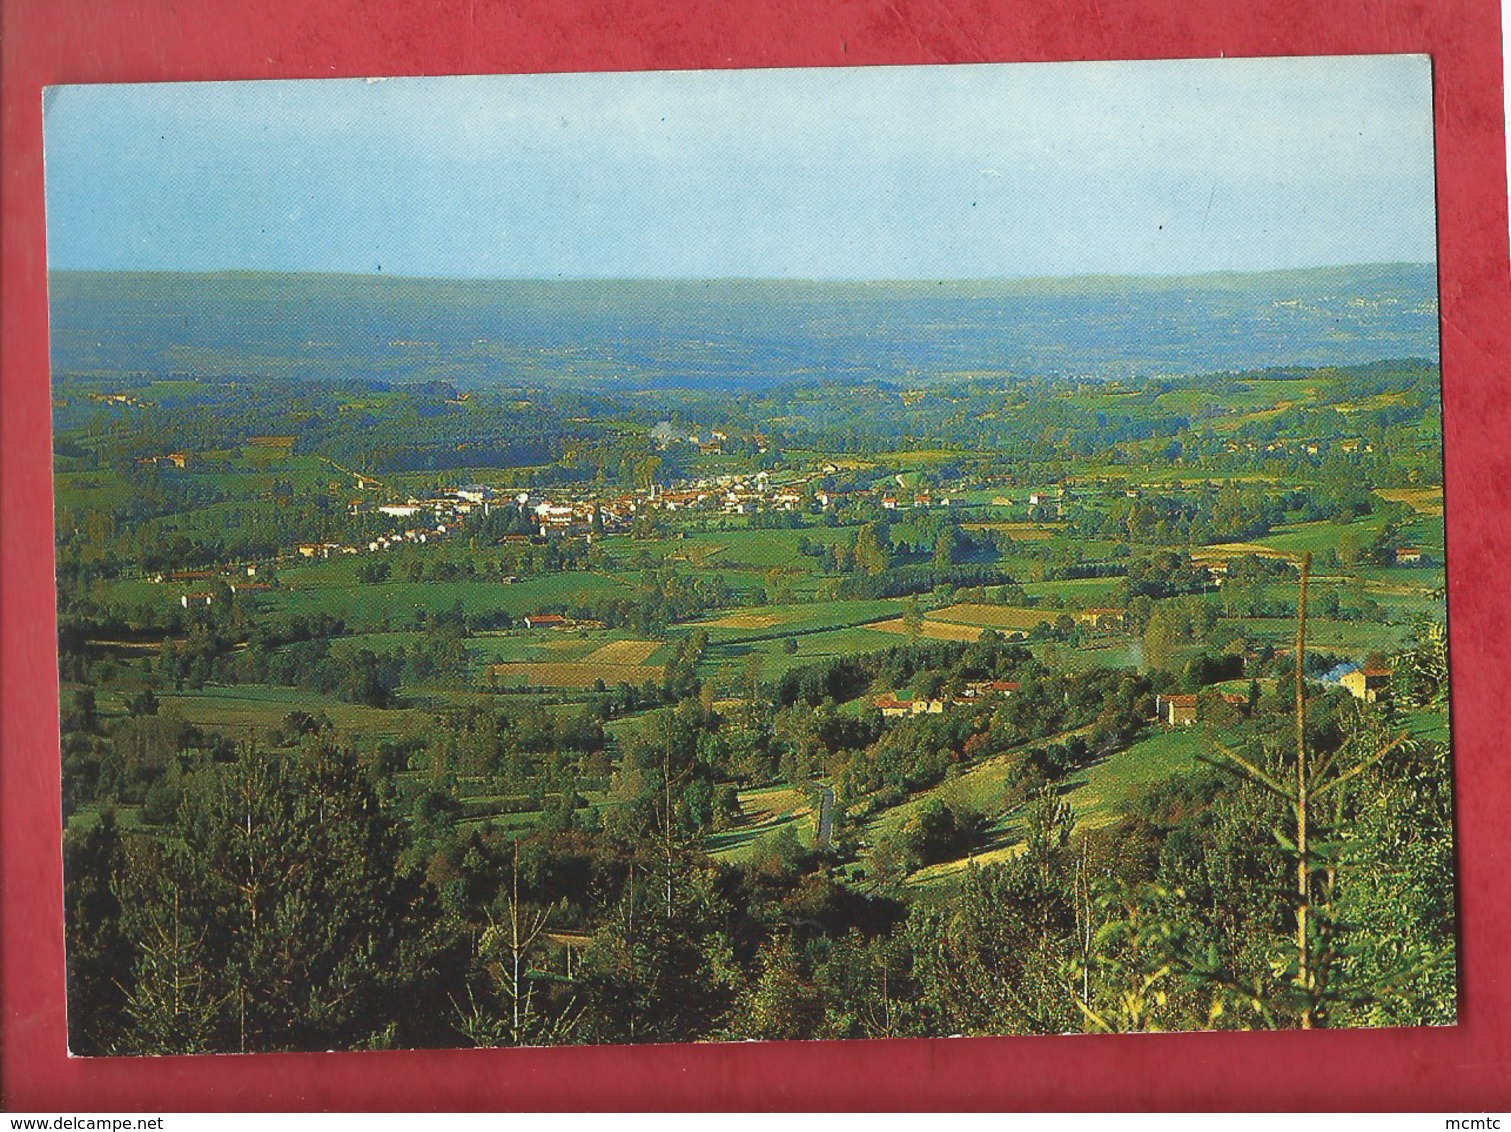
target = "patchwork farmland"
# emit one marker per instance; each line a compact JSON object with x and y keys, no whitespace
{"x":818,"y":713}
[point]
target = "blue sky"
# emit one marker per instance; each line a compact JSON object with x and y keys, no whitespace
{"x":913,"y":172}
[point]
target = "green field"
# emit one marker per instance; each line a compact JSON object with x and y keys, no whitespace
{"x":765,"y":810}
{"x":1097,"y":795}
{"x":765,"y":621}
{"x":395,"y":603}
{"x":1086,"y":591}
{"x":1352,"y":637}
{"x":732,"y":656}
{"x":547,"y":645}
{"x":1102,"y":792}
{"x":258,"y":707}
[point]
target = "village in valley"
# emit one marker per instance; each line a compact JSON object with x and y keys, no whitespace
{"x":823,"y":496}
{"x":750,"y":555}
{"x":852,"y":666}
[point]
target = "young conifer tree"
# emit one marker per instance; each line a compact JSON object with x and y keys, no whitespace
{"x":1309,"y":840}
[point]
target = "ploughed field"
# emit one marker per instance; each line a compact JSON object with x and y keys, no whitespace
{"x":618,"y":662}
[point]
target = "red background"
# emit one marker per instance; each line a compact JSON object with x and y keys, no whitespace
{"x":76,"y":41}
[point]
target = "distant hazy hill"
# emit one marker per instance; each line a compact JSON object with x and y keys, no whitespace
{"x":734,"y":333}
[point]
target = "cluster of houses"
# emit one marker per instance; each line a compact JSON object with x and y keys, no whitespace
{"x":735,"y":494}
{"x":239,"y":578}
{"x":166,"y":460}
{"x":731,"y":494}
{"x":558,"y":621}
{"x":891,"y":707}
{"x":748,"y":494}
{"x":454,"y":501}
{"x":1102,"y":619}
{"x":1369,"y":683}
{"x":442,"y":513}
{"x":921,"y":500}
{"x":555,"y":513}
{"x":1350,"y":444}
{"x":710,"y":442}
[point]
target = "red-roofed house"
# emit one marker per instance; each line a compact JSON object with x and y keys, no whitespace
{"x":995,"y":688}
{"x":1368,"y":684}
{"x":1234,"y":699}
{"x":1177,"y":710}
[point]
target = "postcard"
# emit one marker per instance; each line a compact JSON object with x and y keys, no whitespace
{"x":750,"y":555}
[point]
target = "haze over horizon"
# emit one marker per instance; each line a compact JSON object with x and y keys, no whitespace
{"x":921,"y":281}
{"x":1001,"y":171}
{"x":731,"y":333}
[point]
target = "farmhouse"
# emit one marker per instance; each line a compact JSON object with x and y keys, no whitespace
{"x":892,"y":707}
{"x":171,"y":460}
{"x":1408,"y":556}
{"x":1176,"y":710}
{"x":1102,"y":618}
{"x":993,"y":688}
{"x":1368,"y":684}
{"x":545,"y":621}
{"x":189,"y":575}
{"x":197,"y":599}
